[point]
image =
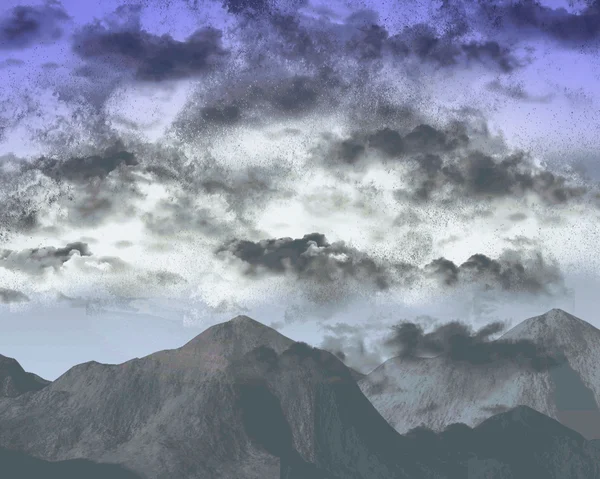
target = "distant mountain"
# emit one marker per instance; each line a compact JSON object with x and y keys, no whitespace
{"x":240,"y":400}
{"x":438,"y":391}
{"x":14,"y":381}
{"x":520,"y":443}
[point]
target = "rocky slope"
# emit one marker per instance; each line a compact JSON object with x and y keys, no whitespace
{"x":438,"y":391}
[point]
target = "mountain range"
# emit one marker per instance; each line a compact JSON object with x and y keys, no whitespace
{"x":243,"y":401}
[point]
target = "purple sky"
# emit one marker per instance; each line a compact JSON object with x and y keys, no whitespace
{"x":327,"y":168}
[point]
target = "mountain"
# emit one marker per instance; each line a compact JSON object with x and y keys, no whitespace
{"x":14,"y":381}
{"x":519,"y":443}
{"x":240,"y":400}
{"x":438,"y":391}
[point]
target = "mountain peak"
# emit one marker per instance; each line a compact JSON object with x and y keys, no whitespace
{"x":556,"y":324}
{"x":242,"y":319}
{"x":558,"y":314}
{"x":524,"y":417}
{"x":14,"y":381}
{"x":236,"y":337}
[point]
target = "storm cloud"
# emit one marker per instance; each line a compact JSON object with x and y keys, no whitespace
{"x":525,"y":17}
{"x":8,"y":296}
{"x":87,"y":168}
{"x":208,"y":147}
{"x":458,"y":342}
{"x":36,"y":261}
{"x":152,"y":58}
{"x":448,"y":50}
{"x":449,"y":163}
{"x":311,"y":257}
{"x":513,"y":271}
{"x":26,"y":26}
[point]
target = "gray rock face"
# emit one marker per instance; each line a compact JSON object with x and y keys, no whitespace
{"x":436,"y":392}
{"x":14,"y":381}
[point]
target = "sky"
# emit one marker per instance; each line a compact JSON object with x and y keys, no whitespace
{"x":327,"y":168}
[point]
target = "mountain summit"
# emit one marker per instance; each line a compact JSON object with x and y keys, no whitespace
{"x":438,"y":391}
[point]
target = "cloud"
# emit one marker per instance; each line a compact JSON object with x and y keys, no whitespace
{"x":458,"y":342}
{"x":35,"y":261}
{"x":447,"y":165}
{"x":8,"y":296}
{"x":573,"y":29}
{"x":318,"y":264}
{"x":347,"y":342}
{"x":123,"y":44}
{"x":83,"y":170}
{"x":448,"y":50}
{"x":26,"y":26}
{"x":183,"y":214}
{"x":310,"y":258}
{"x":246,"y":7}
{"x":514,"y":271}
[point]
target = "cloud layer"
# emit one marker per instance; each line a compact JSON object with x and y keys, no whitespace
{"x":273,"y":153}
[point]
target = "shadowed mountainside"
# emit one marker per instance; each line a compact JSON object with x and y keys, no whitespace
{"x":14,"y":381}
{"x":17,"y":465}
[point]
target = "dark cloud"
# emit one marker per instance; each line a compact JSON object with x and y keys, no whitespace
{"x":526,"y":17}
{"x":123,"y":44}
{"x":87,"y":168}
{"x":246,"y":7}
{"x":311,"y":258}
{"x":447,"y":164}
{"x":35,"y":261}
{"x":18,"y":214}
{"x":481,"y":176}
{"x":388,"y":141}
{"x":258,"y":96}
{"x":491,"y":51}
{"x":458,"y":342}
{"x":516,"y":92}
{"x":448,"y":50}
{"x":8,"y":296}
{"x":445,"y":269}
{"x":245,"y":190}
{"x":314,"y":259}
{"x":427,"y":139}
{"x":25,"y":26}
{"x":182,"y":214}
{"x":513,"y":271}
{"x":162,"y":278}
{"x":422,"y":145}
{"x":88,"y":189}
{"x":11,"y":62}
{"x":369,"y":42}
